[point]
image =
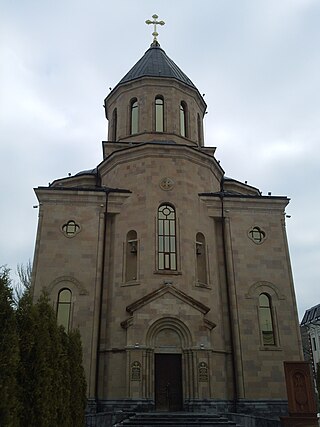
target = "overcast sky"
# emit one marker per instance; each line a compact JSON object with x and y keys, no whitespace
{"x":256,"y":61}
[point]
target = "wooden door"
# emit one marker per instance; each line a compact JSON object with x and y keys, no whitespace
{"x":168,"y":382}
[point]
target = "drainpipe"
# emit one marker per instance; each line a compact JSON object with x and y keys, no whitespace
{"x":101,"y":296}
{"x":230,"y":315}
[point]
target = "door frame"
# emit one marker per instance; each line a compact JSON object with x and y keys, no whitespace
{"x":173,"y":396}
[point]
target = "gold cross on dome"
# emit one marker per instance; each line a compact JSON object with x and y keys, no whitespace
{"x":155,"y":23}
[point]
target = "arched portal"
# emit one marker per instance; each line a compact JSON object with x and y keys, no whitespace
{"x":168,"y":338}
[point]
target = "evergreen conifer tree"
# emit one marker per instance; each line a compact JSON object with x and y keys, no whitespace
{"x":27,"y":329}
{"x":78,"y":382}
{"x":50,"y":376}
{"x":64,"y":380}
{"x":9,"y":354}
{"x":46,"y":388}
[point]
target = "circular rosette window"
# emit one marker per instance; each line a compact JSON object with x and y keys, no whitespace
{"x":257,"y":235}
{"x":70,"y":228}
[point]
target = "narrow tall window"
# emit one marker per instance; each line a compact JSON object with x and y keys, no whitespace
{"x":167,"y":252}
{"x":131,"y":256}
{"x":201,"y":259}
{"x":114,"y":124}
{"x":266,"y":321}
{"x":64,"y":308}
{"x":159,"y":114}
{"x":199,"y":129}
{"x":134,"y":116}
{"x":183,"y":119}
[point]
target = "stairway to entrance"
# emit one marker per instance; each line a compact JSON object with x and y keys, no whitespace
{"x":179,"y":419}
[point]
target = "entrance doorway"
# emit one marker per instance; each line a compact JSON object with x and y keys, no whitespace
{"x":168,"y":382}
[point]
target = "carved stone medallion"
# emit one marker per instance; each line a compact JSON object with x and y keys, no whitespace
{"x":166,"y":184}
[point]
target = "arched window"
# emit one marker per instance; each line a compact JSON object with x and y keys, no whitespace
{"x":266,"y":320}
{"x":167,"y":251}
{"x":183,"y":119}
{"x":64,"y":308}
{"x":131,"y":256}
{"x":201,"y":258}
{"x":114,"y":124}
{"x":134,"y":116}
{"x":199,"y":129}
{"x":159,"y":114}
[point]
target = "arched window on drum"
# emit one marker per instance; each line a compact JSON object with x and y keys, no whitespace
{"x":183,"y":119}
{"x":134,"y":116}
{"x":159,"y":106}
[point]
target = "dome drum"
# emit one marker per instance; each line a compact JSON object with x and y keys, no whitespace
{"x":144,"y":93}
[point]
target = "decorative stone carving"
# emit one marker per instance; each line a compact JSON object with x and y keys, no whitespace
{"x":301,"y":397}
{"x":203,"y":374}
{"x":166,"y":184}
{"x":136,"y":371}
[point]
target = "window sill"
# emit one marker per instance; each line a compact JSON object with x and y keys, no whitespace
{"x":131,"y":283}
{"x":202,"y":285}
{"x":270,"y":348}
{"x":168,"y":272}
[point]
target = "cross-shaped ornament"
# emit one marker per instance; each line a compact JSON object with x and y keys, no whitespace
{"x":155,"y":23}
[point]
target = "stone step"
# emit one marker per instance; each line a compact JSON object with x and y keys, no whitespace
{"x":179,"y":419}
{"x":175,"y":420}
{"x":176,"y":415}
{"x":185,"y":423}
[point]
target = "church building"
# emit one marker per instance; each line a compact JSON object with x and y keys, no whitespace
{"x":177,"y":276}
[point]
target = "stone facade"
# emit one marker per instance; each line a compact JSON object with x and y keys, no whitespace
{"x":99,"y":237}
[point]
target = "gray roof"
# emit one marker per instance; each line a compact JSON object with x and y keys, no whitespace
{"x":156,"y":63}
{"x":87,"y":172}
{"x":311,"y":315}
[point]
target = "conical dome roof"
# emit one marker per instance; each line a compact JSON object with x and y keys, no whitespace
{"x":156,"y":63}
